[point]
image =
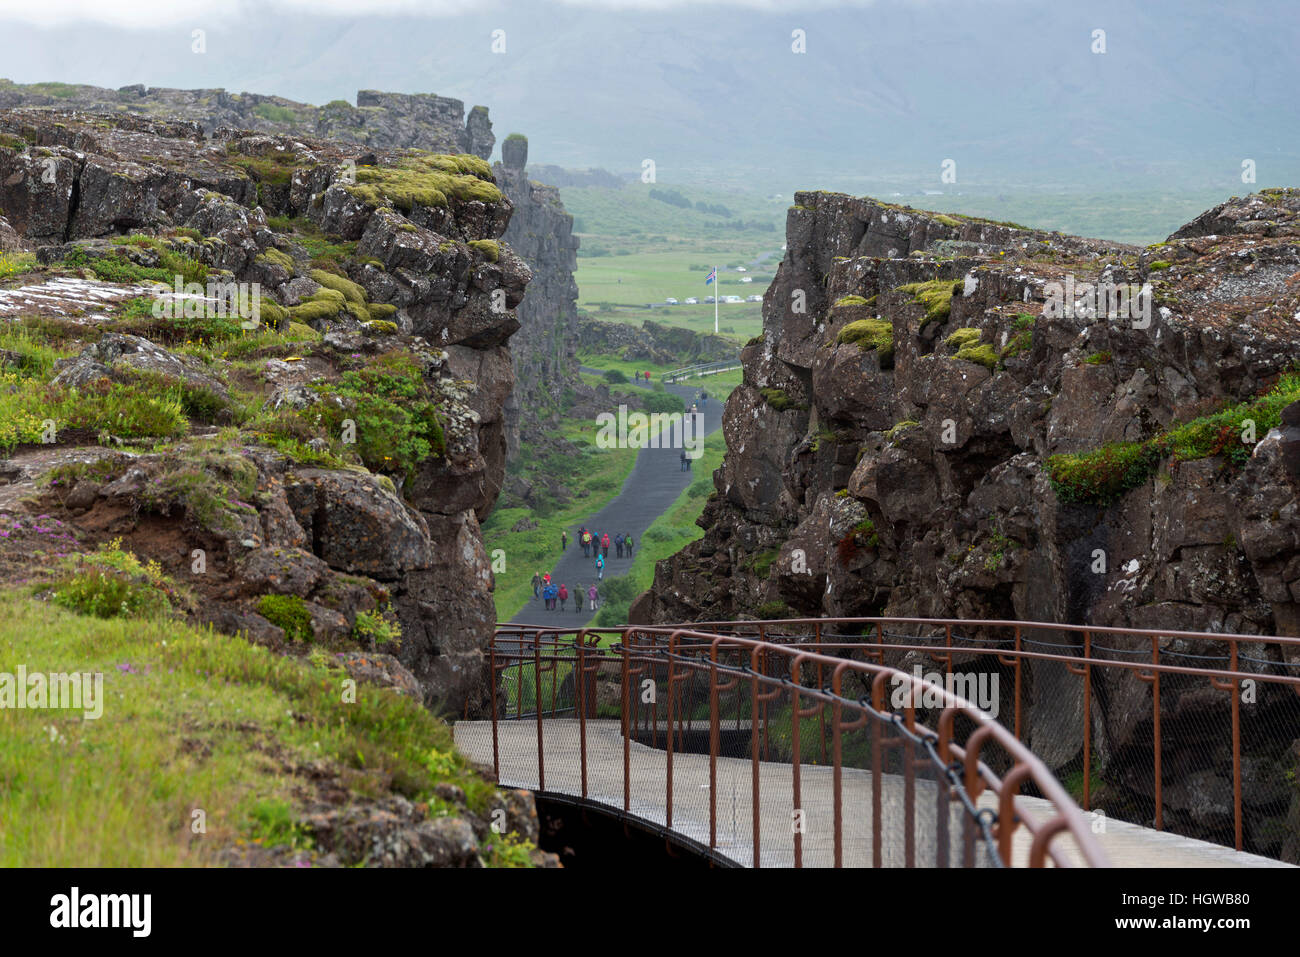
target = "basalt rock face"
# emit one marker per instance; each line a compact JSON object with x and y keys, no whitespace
{"x":903,"y":466}
{"x":364,"y":439}
{"x":380,"y":120}
{"x":544,"y":351}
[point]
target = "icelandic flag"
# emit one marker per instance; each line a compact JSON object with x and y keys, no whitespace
{"x":713,"y":274}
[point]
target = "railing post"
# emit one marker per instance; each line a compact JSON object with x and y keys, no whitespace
{"x":713,"y":746}
{"x":492,"y":690}
{"x":537,"y":701}
{"x":1155,"y":711}
{"x":580,"y":686}
{"x":1236,"y":749}
{"x":1087,"y":721}
{"x":1017,"y":683}
{"x":668,"y":733}
{"x":627,"y":726}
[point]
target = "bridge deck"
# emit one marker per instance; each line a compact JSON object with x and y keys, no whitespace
{"x":1128,"y":845}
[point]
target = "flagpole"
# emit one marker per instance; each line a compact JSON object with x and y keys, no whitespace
{"x":717,"y":281}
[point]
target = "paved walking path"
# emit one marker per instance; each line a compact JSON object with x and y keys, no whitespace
{"x":1128,"y":845}
{"x":653,"y":485}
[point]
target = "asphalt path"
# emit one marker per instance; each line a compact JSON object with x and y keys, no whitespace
{"x":653,"y":485}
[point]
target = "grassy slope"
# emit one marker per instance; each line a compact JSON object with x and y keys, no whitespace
{"x":191,"y":720}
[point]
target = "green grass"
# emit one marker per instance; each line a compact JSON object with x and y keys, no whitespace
{"x":26,"y":409}
{"x":192,"y":720}
{"x":719,"y":385}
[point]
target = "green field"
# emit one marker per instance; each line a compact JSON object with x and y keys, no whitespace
{"x":719,"y":385}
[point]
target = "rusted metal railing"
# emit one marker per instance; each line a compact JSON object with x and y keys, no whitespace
{"x":1258,"y":673}
{"x":829,"y":756}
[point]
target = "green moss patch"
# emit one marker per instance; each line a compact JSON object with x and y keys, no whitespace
{"x":877,"y":334}
{"x":936,"y":295}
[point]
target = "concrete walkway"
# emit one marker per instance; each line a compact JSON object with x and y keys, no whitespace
{"x":653,"y":485}
{"x":1128,"y":845}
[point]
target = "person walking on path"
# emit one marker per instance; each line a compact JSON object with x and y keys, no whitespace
{"x":564,"y":596}
{"x":564,"y":540}
{"x":618,"y":544}
{"x":683,"y":460}
{"x":584,"y":539}
{"x":604,"y":546}
{"x":593,"y":597}
{"x":537,"y":585}
{"x":628,"y":543}
{"x":577,"y":598}
{"x":546,"y":597}
{"x":600,"y":566}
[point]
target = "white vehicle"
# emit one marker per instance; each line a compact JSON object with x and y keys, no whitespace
{"x":671,"y":301}
{"x":692,"y":301}
{"x":708,"y":299}
{"x":732,"y":299}
{"x":746,"y":278}
{"x":740,"y":269}
{"x":753,"y":299}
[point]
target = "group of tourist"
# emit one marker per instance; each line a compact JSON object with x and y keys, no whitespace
{"x":556,"y":596}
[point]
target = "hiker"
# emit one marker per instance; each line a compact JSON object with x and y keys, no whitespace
{"x":537,"y":585}
{"x":564,"y":596}
{"x":647,"y":376}
{"x":600,"y":566}
{"x":604,"y":545}
{"x":618,"y":544}
{"x":564,"y":540}
{"x":683,"y":460}
{"x":577,"y":598}
{"x":546,"y":597}
{"x":704,"y":399}
{"x":586,"y":543}
{"x":627,"y":544}
{"x":593,"y":598}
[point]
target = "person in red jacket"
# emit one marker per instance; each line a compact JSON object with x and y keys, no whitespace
{"x":604,"y":545}
{"x":564,"y":595}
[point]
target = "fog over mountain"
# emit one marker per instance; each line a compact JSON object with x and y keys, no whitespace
{"x":715,"y":92}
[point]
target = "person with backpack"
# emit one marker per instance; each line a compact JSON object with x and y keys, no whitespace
{"x":593,"y":598}
{"x":683,"y":460}
{"x":600,"y":566}
{"x":627,"y":544}
{"x":604,"y":545}
{"x":618,"y":544}
{"x":564,"y":595}
{"x":564,"y":540}
{"x":537,"y":585}
{"x":577,"y":598}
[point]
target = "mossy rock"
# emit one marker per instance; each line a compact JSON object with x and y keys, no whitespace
{"x":981,"y":355}
{"x":349,"y":290}
{"x":963,"y":337}
{"x":936,"y":295}
{"x":868,"y":334}
{"x":490,"y":248}
{"x":377,"y":327}
{"x":278,"y":258}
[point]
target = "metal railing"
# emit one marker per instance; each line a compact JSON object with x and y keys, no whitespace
{"x":1197,"y":733}
{"x":701,"y":369}
{"x":828,"y":758}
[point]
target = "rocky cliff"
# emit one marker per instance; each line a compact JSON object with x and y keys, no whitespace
{"x":380,"y":120}
{"x":545,"y":347}
{"x":942,"y":419}
{"x":540,"y":231}
{"x":278,"y":366}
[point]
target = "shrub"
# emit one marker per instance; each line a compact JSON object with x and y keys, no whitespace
{"x":615,"y":376}
{"x":288,"y":612}
{"x":376,"y":627}
{"x":112,"y":583}
{"x":667,"y":402}
{"x":1102,"y":476}
{"x":772,"y":610}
